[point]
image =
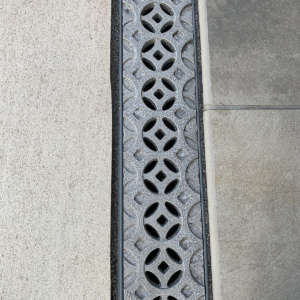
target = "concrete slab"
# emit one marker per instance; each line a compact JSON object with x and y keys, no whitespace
{"x":254,"y":52}
{"x":253,"y":169}
{"x":55,"y":149}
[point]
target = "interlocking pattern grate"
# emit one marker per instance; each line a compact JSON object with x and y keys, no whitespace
{"x":163,"y":247}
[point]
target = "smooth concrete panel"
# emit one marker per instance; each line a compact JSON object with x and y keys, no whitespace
{"x":257,"y":203}
{"x":55,"y":149}
{"x":254,"y":52}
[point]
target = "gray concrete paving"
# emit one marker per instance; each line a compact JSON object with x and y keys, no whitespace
{"x":254,"y":197}
{"x":254,"y":52}
{"x":250,"y":58}
{"x":55,"y":149}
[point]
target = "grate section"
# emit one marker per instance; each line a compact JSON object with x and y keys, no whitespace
{"x":163,"y":247}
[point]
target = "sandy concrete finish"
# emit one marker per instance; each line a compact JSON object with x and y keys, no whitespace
{"x":254,"y":52}
{"x":55,"y":149}
{"x":257,"y":192}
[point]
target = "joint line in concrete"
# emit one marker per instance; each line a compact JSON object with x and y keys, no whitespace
{"x":251,"y":107}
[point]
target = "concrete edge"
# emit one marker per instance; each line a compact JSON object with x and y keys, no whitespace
{"x":212,"y":208}
{"x":205,"y":58}
{"x":209,"y":158}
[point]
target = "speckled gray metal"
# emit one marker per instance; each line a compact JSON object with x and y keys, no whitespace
{"x":163,"y":247}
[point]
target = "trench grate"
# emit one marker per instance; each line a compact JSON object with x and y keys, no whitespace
{"x":162,"y":220}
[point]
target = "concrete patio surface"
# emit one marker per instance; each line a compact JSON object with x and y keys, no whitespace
{"x":256,"y":178}
{"x":254,"y":51}
{"x":55,"y":150}
{"x":250,"y":57}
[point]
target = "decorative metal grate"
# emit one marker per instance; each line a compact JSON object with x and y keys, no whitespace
{"x":163,"y":246}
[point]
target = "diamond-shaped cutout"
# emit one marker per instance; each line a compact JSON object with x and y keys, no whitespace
{"x":157,"y":18}
{"x":158,"y":55}
{"x":159,"y":94}
{"x":161,"y":176}
{"x":160,"y":134}
{"x":163,"y":267}
{"x":162,"y":220}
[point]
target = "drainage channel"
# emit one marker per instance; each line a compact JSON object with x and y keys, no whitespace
{"x":162,"y":251}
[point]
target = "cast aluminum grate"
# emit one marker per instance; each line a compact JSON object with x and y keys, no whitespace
{"x":162,"y":238}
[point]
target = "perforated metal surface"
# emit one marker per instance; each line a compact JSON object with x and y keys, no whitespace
{"x":163,"y":247}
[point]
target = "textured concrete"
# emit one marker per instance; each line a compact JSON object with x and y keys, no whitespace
{"x":254,"y":52}
{"x":256,"y":215}
{"x":55,"y":149}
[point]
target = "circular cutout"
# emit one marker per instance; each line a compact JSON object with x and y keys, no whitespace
{"x":162,"y":221}
{"x":159,"y":94}
{"x":158,"y":55}
{"x":160,"y":134}
{"x":157,"y":17}
{"x":163,"y":268}
{"x":161,"y":176}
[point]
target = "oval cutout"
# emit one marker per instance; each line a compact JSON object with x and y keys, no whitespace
{"x":166,"y":9}
{"x":171,"y":186}
{"x":168,"y":64}
{"x":152,"y":256}
{"x":174,"y":256}
{"x":150,"y":144}
{"x":170,"y":165}
{"x":173,"y":231}
{"x":148,"y":46}
{"x":149,"y":125}
{"x":169,"y":124}
{"x":172,"y":209}
{"x":148,"y":26}
{"x":149,"y":64}
{"x":149,"y":103}
{"x":153,"y":279}
{"x":168,"y":104}
{"x":149,"y":167}
{"x":167,"y":27}
{"x":151,"y":210}
{"x":151,"y":186}
{"x":168,"y":46}
{"x":147,"y":9}
{"x":171,"y":298}
{"x":169,"y":85}
{"x":175,"y":278}
{"x":170,"y":144}
{"x":149,"y":85}
{"x":152,"y":231}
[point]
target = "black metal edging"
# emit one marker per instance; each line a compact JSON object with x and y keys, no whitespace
{"x":120,"y":216}
{"x":206,"y":281}
{"x":115,"y":174}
